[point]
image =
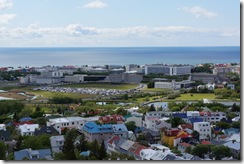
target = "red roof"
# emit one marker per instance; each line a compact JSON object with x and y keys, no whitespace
{"x":136,"y":148}
{"x":184,"y":136}
{"x":172,"y":132}
{"x":109,"y":119}
{"x":189,"y":126}
{"x":114,"y":138}
{"x":22,"y":123}
{"x":185,"y":144}
{"x":205,"y":142}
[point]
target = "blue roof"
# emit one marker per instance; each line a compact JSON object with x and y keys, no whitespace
{"x":181,"y":115}
{"x":85,"y":153}
{"x":92,"y":127}
{"x":25,"y":119}
{"x":119,"y":127}
{"x":43,"y":153}
{"x":231,"y":131}
{"x":192,"y":120}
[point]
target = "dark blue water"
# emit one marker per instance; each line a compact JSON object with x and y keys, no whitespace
{"x":118,"y":56}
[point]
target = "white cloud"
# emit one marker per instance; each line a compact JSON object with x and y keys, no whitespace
{"x":5,"y":18}
{"x":78,"y":35}
{"x":5,"y":4}
{"x":200,"y":12}
{"x":95,"y":4}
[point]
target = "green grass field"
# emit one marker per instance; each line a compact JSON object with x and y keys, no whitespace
{"x":104,"y":86}
{"x":196,"y":96}
{"x":154,"y":89}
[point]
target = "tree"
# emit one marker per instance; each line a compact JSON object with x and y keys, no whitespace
{"x":59,"y":156}
{"x":200,"y":150}
{"x":125,"y":96}
{"x":69,"y":148}
{"x":38,"y":108}
{"x":235,"y":125}
{"x":152,"y":108}
{"x":131,"y":125}
{"x":150,"y":84}
{"x":175,"y":121}
{"x":223,"y":125}
{"x":102,"y":152}
{"x":94,"y":147}
{"x":220,"y":152}
{"x":3,"y":150}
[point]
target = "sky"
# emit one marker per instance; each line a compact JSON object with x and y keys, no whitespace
{"x":119,"y":23}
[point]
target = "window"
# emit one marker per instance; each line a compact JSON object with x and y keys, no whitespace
{"x":58,"y":127}
{"x":73,"y":123}
{"x":60,"y":142}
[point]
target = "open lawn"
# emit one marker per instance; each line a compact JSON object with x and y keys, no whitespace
{"x":196,"y":96}
{"x":154,"y":89}
{"x":105,"y":86}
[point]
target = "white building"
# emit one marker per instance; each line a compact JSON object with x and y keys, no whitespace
{"x":69,"y":122}
{"x":57,"y":143}
{"x":150,"y":123}
{"x":174,"y":84}
{"x":168,"y":69}
{"x":204,"y":130}
{"x":27,"y":129}
{"x":52,"y":74}
{"x":74,"y":78}
{"x":136,"y":119}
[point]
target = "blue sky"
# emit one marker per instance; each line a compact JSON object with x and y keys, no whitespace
{"x":88,"y":23}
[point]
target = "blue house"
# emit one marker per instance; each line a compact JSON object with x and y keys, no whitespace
{"x":231,"y":131}
{"x":196,"y":119}
{"x":33,"y":154}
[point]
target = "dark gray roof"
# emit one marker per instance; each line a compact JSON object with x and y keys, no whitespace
{"x":46,"y":130}
{"x":169,"y":157}
{"x":5,"y":135}
{"x":43,"y":154}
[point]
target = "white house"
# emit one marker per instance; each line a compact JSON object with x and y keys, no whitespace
{"x":146,"y":154}
{"x":2,"y":127}
{"x":69,"y":122}
{"x":28,"y":130}
{"x":204,"y":130}
{"x":57,"y":143}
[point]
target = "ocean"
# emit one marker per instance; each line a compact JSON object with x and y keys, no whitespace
{"x":117,"y":56}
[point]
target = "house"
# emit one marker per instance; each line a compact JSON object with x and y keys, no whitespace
{"x":182,"y":146}
{"x":235,"y":148}
{"x":93,"y":131}
{"x":112,"y":143}
{"x":146,"y":154}
{"x":231,"y":131}
{"x":42,"y":154}
{"x":204,"y":130}
{"x":169,"y":135}
{"x":135,"y":149}
{"x":114,"y":119}
{"x":181,"y":115}
{"x":69,"y":122}
{"x":136,"y":119}
{"x":149,"y":122}
{"x":57,"y":143}
{"x":152,"y":137}
{"x":120,"y":130}
{"x":28,"y":130}
{"x":46,"y":130}
{"x":160,"y":147}
{"x":5,"y":135}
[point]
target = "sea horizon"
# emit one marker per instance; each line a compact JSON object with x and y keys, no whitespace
{"x":60,"y":56}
